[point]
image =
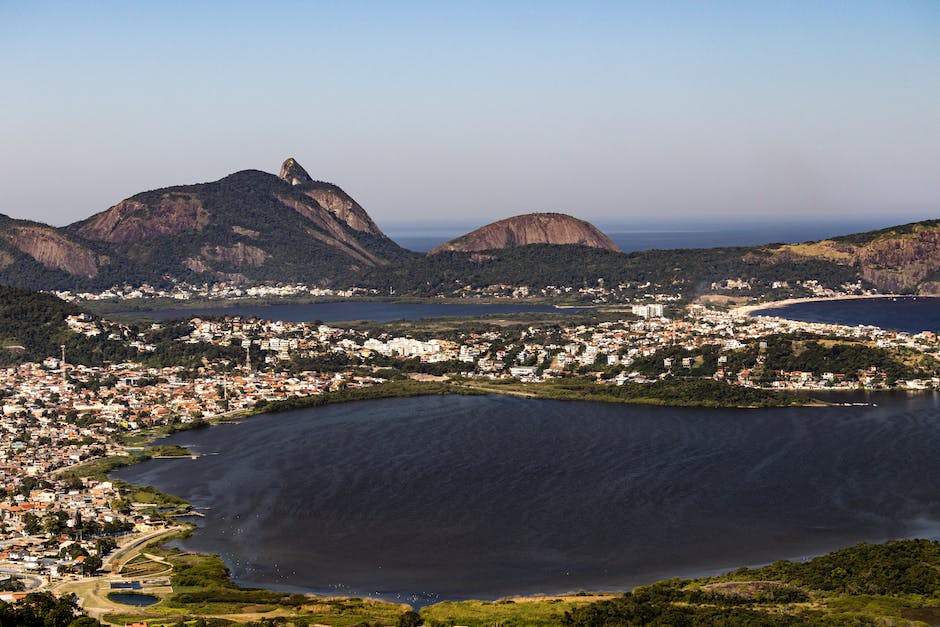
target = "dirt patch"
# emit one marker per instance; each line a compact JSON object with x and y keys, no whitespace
{"x":722,"y":299}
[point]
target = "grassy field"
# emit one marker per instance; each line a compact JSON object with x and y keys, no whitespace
{"x":516,"y":611}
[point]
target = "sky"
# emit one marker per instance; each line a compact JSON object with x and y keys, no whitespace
{"x":435,"y":112}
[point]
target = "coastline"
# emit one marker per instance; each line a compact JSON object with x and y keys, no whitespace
{"x":748,"y":310}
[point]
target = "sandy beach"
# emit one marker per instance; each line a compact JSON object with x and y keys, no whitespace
{"x":747,"y":310}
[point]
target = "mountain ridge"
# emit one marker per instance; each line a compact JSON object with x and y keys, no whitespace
{"x":247,"y":227}
{"x":900,"y":259}
{"x":254,"y":227}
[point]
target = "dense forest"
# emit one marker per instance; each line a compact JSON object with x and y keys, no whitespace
{"x":32,"y":327}
{"x":540,"y":265}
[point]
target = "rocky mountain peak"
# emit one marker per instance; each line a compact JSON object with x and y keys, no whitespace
{"x":530,"y":228}
{"x":293,"y":173}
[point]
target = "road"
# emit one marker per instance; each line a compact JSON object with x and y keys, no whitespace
{"x":125,"y":552}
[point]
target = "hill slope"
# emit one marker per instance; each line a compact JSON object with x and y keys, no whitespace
{"x":255,"y":227}
{"x":248,"y":227}
{"x":32,"y":327}
{"x":530,"y":228}
{"x":902,"y":259}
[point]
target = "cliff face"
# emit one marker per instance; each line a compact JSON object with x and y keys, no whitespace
{"x":52,"y":249}
{"x":898,"y":259}
{"x":329,"y":197}
{"x":532,"y":228}
{"x":137,"y":219}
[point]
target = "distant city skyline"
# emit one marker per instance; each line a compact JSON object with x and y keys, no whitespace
{"x":615,"y":112}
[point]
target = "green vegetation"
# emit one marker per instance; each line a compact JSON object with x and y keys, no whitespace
{"x":149,"y":495}
{"x":542,"y":265}
{"x":392,"y":389}
{"x":202,"y":587}
{"x":677,"y":392}
{"x":818,"y":355}
{"x":868,"y":584}
{"x":32,"y":327}
{"x":903,"y":567}
{"x":517,"y":612}
{"x":99,"y":468}
{"x":795,"y":352}
{"x":860,"y":239}
{"x":674,"y":392}
{"x":43,"y":609}
{"x":169,"y":450}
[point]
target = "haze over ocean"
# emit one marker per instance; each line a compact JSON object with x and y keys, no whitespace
{"x":649,"y":234}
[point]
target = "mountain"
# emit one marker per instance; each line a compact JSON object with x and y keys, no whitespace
{"x":255,"y":227}
{"x":530,"y":228}
{"x":901,"y":259}
{"x":898,"y":259}
{"x":248,"y":227}
{"x":40,"y":256}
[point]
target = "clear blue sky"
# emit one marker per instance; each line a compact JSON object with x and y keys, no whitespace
{"x":473,"y":111}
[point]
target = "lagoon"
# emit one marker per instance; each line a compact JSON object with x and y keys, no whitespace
{"x":430,"y":498}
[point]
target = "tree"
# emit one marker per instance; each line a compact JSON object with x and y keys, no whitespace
{"x":91,"y":565}
{"x":31,"y":525}
{"x":410,"y":619}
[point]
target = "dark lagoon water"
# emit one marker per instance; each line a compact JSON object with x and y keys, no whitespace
{"x":432,"y":498}
{"x":134,"y":598}
{"x":378,"y":311}
{"x":912,"y":314}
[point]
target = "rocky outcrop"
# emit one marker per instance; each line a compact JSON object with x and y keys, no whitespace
{"x":52,"y":249}
{"x":293,"y":173}
{"x":329,"y":230}
{"x":330,"y":197}
{"x":893,"y":260}
{"x":238,"y":255}
{"x":246,"y":232}
{"x":531,"y":228}
{"x":337,"y":202}
{"x":137,"y":218}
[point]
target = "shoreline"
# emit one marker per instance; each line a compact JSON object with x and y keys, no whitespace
{"x":535,"y":597}
{"x":749,"y":310}
{"x":607,"y":592}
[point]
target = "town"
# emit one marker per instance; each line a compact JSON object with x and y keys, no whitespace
{"x":598,"y":293}
{"x":57,"y":415}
